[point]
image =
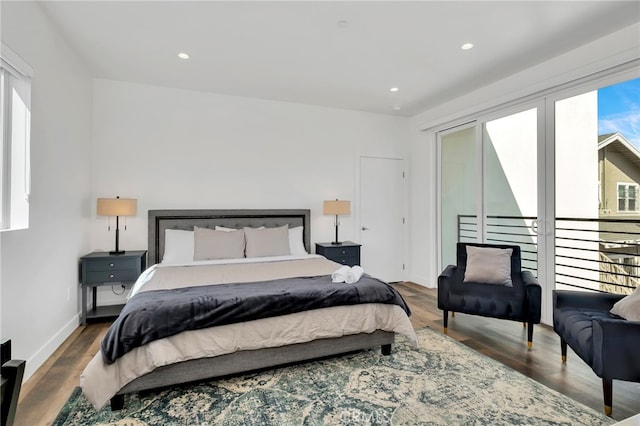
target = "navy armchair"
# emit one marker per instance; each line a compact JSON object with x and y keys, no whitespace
{"x":11,"y":381}
{"x":607,"y":343}
{"x":521,"y":302}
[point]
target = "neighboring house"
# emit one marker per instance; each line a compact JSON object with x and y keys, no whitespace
{"x":619,"y":213}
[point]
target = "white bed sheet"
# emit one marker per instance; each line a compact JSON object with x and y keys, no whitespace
{"x":101,"y":381}
{"x":223,"y":271}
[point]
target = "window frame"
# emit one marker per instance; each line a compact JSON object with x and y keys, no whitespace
{"x":15,"y":147}
{"x":627,"y":185}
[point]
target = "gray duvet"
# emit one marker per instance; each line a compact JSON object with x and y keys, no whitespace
{"x":157,"y":314}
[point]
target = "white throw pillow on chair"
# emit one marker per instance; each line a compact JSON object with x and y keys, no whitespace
{"x":629,"y":306}
{"x":488,"y":265}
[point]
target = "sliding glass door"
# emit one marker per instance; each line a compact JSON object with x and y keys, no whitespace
{"x":510,"y":152}
{"x":552,"y":178}
{"x":458,"y":190}
{"x":576,"y":192}
{"x":597,"y":181}
{"x":489,"y":185}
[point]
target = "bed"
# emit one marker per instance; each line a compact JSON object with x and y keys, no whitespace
{"x":231,"y":348}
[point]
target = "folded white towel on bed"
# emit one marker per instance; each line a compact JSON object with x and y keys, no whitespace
{"x":354,"y":274}
{"x":340,"y":275}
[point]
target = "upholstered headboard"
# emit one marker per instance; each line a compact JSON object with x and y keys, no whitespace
{"x":160,"y":220}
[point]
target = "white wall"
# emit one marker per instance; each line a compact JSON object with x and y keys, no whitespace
{"x":612,"y":50}
{"x":179,"y":149}
{"x":173,"y":148}
{"x":577,"y":144}
{"x":576,"y":165}
{"x":510,"y":165}
{"x":39,"y":276}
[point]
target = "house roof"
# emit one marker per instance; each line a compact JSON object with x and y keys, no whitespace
{"x":620,"y":228}
{"x":616,"y":142}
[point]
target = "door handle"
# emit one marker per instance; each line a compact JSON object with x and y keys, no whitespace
{"x":364,"y":228}
{"x":539,"y":227}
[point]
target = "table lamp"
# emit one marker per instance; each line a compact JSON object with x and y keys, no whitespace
{"x":336,"y":208}
{"x":117,"y":207}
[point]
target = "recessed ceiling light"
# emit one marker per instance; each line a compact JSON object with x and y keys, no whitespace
{"x":394,"y":89}
{"x":343,"y":23}
{"x":183,"y":55}
{"x":467,"y":46}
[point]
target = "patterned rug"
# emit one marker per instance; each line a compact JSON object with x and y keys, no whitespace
{"x":441,"y":383}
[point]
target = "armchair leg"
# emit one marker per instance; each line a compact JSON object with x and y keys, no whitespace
{"x":445,"y":320}
{"x":12,"y":373}
{"x":607,"y":390}
{"x":117,"y":402}
{"x":563,"y":350}
{"x":530,"y":334}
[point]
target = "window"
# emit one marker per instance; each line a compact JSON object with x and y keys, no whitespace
{"x":628,"y":264}
{"x":15,"y":126}
{"x":627,"y":197}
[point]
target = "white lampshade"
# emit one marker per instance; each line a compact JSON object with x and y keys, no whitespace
{"x":337,"y":207}
{"x":117,"y":207}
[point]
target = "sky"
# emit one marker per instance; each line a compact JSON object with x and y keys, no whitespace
{"x":619,"y":110}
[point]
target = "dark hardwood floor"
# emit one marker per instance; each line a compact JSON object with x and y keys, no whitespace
{"x":47,"y":390}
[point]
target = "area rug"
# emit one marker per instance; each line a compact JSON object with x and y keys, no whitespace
{"x":442,"y":382}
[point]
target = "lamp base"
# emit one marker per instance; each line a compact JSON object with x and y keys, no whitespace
{"x":117,"y":251}
{"x":336,"y":242}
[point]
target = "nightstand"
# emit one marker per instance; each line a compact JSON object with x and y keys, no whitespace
{"x":104,"y":269}
{"x":347,"y":253}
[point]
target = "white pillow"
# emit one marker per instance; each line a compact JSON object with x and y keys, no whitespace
{"x":488,"y":265}
{"x":629,"y":306}
{"x":178,"y":246}
{"x":296,"y":243}
{"x":222,"y":228}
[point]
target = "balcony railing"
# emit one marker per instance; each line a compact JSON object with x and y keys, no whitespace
{"x":600,"y":254}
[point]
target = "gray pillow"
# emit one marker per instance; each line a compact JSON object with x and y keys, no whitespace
{"x":629,"y":306}
{"x":488,"y":265}
{"x":267,"y":241}
{"x":209,"y":244}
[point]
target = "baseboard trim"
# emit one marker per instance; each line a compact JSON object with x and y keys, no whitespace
{"x":423,"y":281}
{"x":42,"y":354}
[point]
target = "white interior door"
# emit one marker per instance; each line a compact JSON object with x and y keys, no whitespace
{"x":382,"y":217}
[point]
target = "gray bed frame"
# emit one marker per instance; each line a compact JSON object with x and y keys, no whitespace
{"x":241,"y":361}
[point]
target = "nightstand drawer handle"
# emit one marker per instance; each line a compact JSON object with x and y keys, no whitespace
{"x":111,"y":265}
{"x":364,"y":228}
{"x":111,"y":275}
{"x":344,"y":252}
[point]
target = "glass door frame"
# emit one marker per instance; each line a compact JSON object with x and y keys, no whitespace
{"x":545,"y":202}
{"x":544,"y":229}
{"x":545,"y":103}
{"x":592,"y":83}
{"x":439,"y":135}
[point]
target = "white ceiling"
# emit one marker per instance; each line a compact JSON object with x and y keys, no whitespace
{"x":297,"y":51}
